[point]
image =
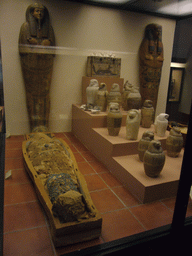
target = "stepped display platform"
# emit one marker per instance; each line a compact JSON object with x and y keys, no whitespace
{"x":120,"y":156}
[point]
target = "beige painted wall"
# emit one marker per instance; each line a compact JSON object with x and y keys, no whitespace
{"x":79,"y":31}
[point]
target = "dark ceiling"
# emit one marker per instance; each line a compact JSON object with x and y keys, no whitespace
{"x":176,"y":9}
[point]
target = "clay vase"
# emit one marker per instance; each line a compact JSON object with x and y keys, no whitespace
{"x":126,"y":90}
{"x":114,"y":95}
{"x":101,"y":97}
{"x":174,"y":142}
{"x":143,"y":145}
{"x":132,"y":124}
{"x":114,"y":119}
{"x":134,"y":100}
{"x":147,"y":114}
{"x":91,"y":92}
{"x":154,"y":159}
{"x":161,"y":123}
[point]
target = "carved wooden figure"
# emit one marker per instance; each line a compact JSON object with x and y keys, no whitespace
{"x":37,"y":67}
{"x":151,"y":61}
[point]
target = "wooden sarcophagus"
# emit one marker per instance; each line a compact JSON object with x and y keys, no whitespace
{"x":61,"y":189}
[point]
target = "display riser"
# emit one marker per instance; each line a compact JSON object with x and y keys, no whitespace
{"x":145,"y":188}
{"x":120,"y":156}
{"x":120,"y":146}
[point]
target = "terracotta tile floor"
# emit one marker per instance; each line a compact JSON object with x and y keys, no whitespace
{"x":26,"y":230}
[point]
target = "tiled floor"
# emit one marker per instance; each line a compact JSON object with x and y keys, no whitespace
{"x":26,"y":230}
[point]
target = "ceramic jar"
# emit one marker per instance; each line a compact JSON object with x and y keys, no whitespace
{"x":114,"y":119}
{"x":114,"y":95}
{"x":126,"y":90}
{"x":101,"y":97}
{"x":154,"y":159}
{"x":91,"y":92}
{"x":132,"y":124}
{"x":174,"y":142}
{"x":147,"y":137}
{"x":161,"y":123}
{"x":147,"y":114}
{"x":134,"y":99}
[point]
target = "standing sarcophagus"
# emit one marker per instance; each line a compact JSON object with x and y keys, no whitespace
{"x":150,"y":63}
{"x":37,"y":34}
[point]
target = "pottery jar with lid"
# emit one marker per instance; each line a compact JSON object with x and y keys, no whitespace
{"x":161,"y":123}
{"x":126,"y":90}
{"x":101,"y":97}
{"x":143,"y":145}
{"x":154,"y":159}
{"x":147,"y":114}
{"x":132,"y":124}
{"x":114,"y":95}
{"x":114,"y":119}
{"x":134,"y":99}
{"x":174,"y":142}
{"x":91,"y":92}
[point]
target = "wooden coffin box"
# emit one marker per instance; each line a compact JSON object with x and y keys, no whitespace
{"x":69,"y":232}
{"x":103,"y":66}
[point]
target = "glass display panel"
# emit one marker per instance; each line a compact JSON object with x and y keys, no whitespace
{"x":110,"y":165}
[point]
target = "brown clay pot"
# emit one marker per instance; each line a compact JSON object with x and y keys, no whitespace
{"x":114,"y":119}
{"x":143,"y":145}
{"x":154,"y":159}
{"x":174,"y":142}
{"x":134,"y":100}
{"x":147,"y":114}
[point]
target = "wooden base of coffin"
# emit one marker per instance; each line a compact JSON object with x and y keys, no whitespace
{"x":72,"y":232}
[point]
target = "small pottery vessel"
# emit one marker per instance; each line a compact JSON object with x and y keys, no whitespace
{"x":174,"y":142}
{"x":91,"y":92}
{"x":134,"y":99}
{"x":132,"y":124}
{"x":114,"y":119}
{"x":101,"y":97}
{"x":114,"y":95}
{"x":161,"y":123}
{"x":154,"y":159}
{"x":147,"y":137}
{"x":147,"y":114}
{"x":126,"y":90}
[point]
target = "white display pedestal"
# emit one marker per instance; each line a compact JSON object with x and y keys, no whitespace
{"x":120,"y":156}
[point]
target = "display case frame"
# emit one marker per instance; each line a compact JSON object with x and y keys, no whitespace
{"x":2,"y":175}
{"x":160,"y":239}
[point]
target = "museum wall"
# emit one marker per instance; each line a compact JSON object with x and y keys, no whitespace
{"x":80,"y":30}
